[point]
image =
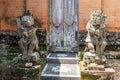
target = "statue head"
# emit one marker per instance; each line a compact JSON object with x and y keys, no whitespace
{"x":27,"y":20}
{"x":96,"y":18}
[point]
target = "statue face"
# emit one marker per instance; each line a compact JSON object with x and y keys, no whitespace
{"x":27,"y":23}
{"x":96,"y":19}
{"x":27,"y":20}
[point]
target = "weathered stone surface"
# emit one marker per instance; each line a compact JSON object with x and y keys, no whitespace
{"x":28,"y":63}
{"x":61,"y":66}
{"x":63,"y":25}
{"x":94,"y":57}
{"x":54,"y":71}
{"x":96,"y":67}
{"x":89,"y":58}
{"x":63,"y":58}
{"x":28,"y":72}
{"x":108,"y":73}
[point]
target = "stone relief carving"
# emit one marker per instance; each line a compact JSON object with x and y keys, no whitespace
{"x":69,"y":12}
{"x":57,"y":12}
{"x":63,"y":24}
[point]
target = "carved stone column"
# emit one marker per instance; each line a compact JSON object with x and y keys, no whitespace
{"x":63,"y":25}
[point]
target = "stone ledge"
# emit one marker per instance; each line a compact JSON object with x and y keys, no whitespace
{"x":64,"y":58}
{"x":112,"y":54}
{"x":109,"y":72}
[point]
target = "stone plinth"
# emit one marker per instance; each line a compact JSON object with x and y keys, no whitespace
{"x":61,"y":72}
{"x":63,"y":58}
{"x":107,"y":73}
{"x":26,"y":67}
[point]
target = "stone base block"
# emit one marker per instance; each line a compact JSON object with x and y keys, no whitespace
{"x":108,"y":73}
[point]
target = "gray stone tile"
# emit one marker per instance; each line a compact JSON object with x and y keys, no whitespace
{"x":63,"y":58}
{"x":61,"y":72}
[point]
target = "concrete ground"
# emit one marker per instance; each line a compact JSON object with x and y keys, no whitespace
{"x":116,"y":65}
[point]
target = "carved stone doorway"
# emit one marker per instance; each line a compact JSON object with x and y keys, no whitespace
{"x":63,"y":28}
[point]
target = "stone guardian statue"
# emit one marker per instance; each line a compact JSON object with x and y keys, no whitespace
{"x":96,"y":37}
{"x":27,"y":32}
{"x":96,"y":33}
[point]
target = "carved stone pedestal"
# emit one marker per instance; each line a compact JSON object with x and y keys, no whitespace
{"x":107,"y":74}
{"x":96,"y":65}
{"x":26,"y":68}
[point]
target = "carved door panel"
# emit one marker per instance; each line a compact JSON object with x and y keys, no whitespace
{"x":63,"y":25}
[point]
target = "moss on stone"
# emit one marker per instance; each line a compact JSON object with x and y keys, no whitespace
{"x":89,"y":76}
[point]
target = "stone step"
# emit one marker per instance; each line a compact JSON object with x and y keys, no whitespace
{"x":107,"y":74}
{"x":63,"y":58}
{"x":54,"y":71}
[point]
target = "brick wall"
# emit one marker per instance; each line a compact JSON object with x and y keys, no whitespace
{"x":85,"y":8}
{"x":112,"y":9}
{"x":10,"y":9}
{"x":40,"y":10}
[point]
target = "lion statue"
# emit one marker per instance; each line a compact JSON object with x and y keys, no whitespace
{"x":27,"y":32}
{"x":96,"y":37}
{"x":96,"y":33}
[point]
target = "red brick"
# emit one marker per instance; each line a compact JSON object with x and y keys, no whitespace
{"x":9,"y":10}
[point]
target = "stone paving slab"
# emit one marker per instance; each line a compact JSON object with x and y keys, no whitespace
{"x":60,"y":72}
{"x":63,"y":58}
